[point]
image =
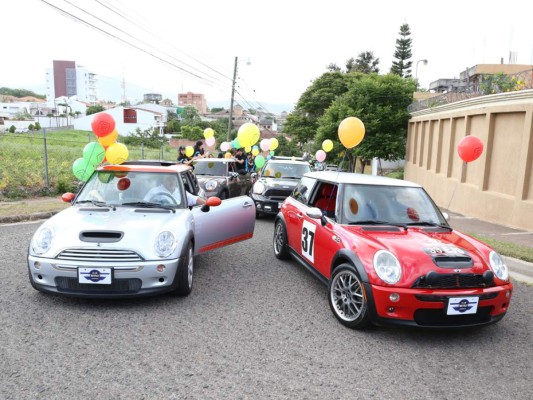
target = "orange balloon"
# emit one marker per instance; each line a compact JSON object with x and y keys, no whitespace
{"x":351,"y":132}
{"x":108,"y":140}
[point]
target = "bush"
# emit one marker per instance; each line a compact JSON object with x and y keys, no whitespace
{"x":31,"y":127}
{"x":397,"y":174}
{"x":12,"y":129}
{"x":37,"y":126}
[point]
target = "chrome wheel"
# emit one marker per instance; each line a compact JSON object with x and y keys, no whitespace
{"x":280,"y":241}
{"x":347,"y":296}
{"x":190,"y":266}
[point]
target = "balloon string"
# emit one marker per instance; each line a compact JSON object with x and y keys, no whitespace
{"x":336,"y":181}
{"x":455,"y":188}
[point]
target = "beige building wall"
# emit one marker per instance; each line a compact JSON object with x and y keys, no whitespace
{"x":498,"y":186}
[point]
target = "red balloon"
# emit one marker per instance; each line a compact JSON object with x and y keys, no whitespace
{"x":123,"y":184}
{"x":103,"y":124}
{"x":470,"y":148}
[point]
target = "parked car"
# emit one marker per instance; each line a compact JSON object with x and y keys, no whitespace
{"x":388,"y":255}
{"x":276,"y":180}
{"x":126,"y":236}
{"x":218,"y":177}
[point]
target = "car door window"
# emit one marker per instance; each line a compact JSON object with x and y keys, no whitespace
{"x":303,"y":190}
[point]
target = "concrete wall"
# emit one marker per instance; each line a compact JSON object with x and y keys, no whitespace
{"x":498,"y":186}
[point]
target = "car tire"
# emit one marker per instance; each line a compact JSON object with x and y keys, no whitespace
{"x":185,"y":272}
{"x":347,"y":297}
{"x":280,"y":245}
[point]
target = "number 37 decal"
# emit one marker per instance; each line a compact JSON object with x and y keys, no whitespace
{"x":308,"y":241}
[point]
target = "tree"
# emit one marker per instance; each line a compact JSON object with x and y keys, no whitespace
{"x":217,"y":109}
{"x":365,"y":63}
{"x":402,"y":66}
{"x":94,"y":109}
{"x":333,"y":68}
{"x":302,"y":123}
{"x":380,"y":102}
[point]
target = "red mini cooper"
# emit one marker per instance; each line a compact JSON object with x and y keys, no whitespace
{"x":388,"y":255}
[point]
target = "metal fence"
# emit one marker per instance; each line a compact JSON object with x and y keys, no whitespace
{"x":31,"y":163}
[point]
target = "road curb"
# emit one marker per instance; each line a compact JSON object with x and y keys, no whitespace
{"x":28,"y":217}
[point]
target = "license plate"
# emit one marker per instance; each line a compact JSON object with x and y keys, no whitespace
{"x":462,"y":305}
{"x":95,"y":276}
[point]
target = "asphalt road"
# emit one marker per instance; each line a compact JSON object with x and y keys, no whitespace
{"x":253,"y":328}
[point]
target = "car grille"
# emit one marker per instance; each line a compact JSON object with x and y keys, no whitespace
{"x":452,"y":281}
{"x":453,"y":262}
{"x":65,"y":284}
{"x":438,"y":317}
{"x":277,"y":194}
{"x":96,"y":254}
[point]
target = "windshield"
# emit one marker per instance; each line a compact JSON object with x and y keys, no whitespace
{"x":117,"y":188}
{"x":213,"y":168}
{"x":279,"y":170}
{"x":392,"y":204}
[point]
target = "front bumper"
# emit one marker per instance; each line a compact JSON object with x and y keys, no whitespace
{"x":427,"y":307}
{"x":264,"y":205}
{"x":129,"y":279}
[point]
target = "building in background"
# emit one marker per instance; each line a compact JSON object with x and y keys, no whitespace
{"x":66,"y":79}
{"x":193,"y":99}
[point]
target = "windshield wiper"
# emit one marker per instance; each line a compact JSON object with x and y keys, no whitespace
{"x":96,"y":203}
{"x":377,"y":222}
{"x":429,"y":223}
{"x":147,"y":204}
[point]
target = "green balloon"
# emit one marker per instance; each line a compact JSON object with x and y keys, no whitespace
{"x":82,"y":170}
{"x":259,"y":161}
{"x":93,"y":153}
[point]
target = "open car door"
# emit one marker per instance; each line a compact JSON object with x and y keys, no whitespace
{"x":231,"y":222}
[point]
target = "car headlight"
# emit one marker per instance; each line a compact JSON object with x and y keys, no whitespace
{"x":211,"y":185}
{"x":259,"y":187}
{"x":42,"y":240}
{"x":165,"y":244}
{"x":387,"y":266}
{"x":498,"y":266}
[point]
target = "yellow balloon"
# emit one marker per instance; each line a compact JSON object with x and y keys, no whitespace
{"x":189,"y":151}
{"x":327,"y":145}
{"x":248,"y":149}
{"x":247,"y":133}
{"x":208,"y":132}
{"x":109,"y":139}
{"x":227,"y":155}
{"x":116,"y":153}
{"x":255,"y":152}
{"x":274,"y":144}
{"x":351,"y":131}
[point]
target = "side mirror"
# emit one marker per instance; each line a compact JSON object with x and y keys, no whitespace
{"x":314,"y":212}
{"x":213,"y":201}
{"x":68,"y":197}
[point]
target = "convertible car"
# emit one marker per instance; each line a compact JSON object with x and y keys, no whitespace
{"x":388,"y":255}
{"x":131,"y":232}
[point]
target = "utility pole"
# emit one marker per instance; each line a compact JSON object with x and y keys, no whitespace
{"x":231,"y":102}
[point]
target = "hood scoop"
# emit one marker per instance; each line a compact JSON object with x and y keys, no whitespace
{"x":95,"y":209}
{"x":458,"y":262}
{"x":101,"y":236}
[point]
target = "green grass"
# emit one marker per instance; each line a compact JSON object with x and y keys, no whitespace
{"x":22,"y":161}
{"x":507,"y":249}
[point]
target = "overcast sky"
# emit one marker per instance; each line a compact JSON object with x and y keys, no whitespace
{"x":191,"y":45}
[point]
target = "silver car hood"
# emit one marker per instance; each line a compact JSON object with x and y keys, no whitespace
{"x":139,"y":226}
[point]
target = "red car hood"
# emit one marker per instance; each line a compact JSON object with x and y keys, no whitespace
{"x":421,"y":250}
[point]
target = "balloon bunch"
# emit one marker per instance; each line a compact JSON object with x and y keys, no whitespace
{"x":105,"y":149}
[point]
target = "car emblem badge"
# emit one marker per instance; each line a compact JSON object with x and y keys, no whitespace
{"x":336,"y":238}
{"x":456,"y":270}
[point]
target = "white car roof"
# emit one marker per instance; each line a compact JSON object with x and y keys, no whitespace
{"x":361,"y":179}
